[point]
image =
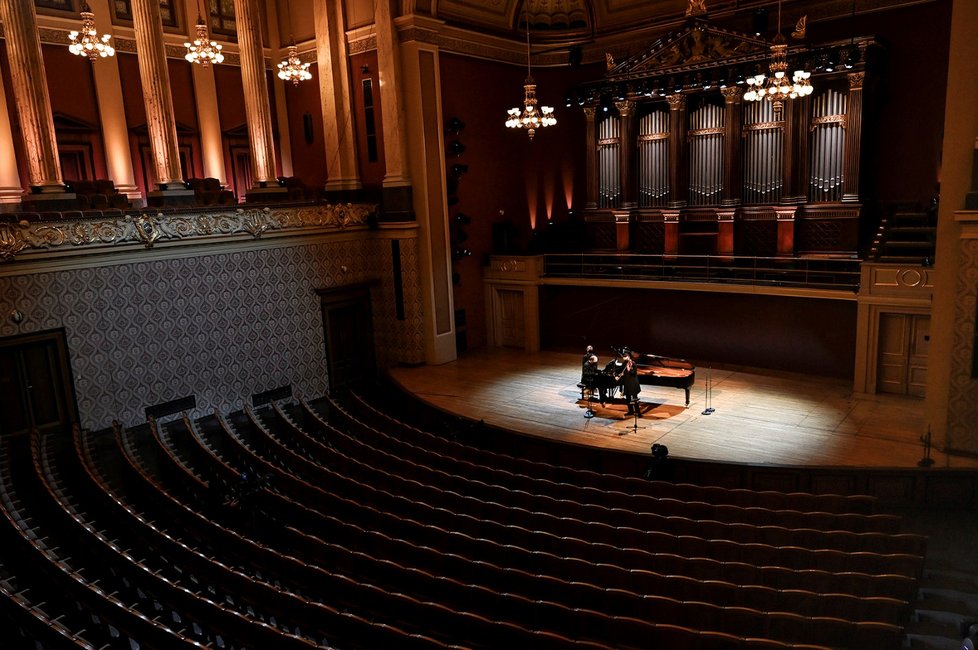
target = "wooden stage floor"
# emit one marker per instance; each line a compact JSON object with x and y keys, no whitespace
{"x":760,"y":417}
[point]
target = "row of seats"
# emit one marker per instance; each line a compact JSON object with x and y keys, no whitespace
{"x":272,"y":454}
{"x":462,"y":442}
{"x":353,"y":529}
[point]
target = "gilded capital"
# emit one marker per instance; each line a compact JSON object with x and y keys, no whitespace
{"x":626,"y":107}
{"x":731,"y":94}
{"x":856,"y":80}
{"x":676,"y":102}
{"x":590,"y":112}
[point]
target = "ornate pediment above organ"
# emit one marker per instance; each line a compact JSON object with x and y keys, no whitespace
{"x":699,"y":44}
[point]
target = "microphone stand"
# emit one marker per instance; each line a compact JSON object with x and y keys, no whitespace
{"x":709,"y":392}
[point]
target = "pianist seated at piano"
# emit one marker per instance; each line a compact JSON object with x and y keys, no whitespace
{"x":589,"y":370}
{"x":609,"y":380}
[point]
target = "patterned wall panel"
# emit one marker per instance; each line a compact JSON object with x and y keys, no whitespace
{"x":221,"y":326}
{"x":963,"y":389}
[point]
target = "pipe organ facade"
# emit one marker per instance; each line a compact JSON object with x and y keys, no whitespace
{"x":704,"y":161}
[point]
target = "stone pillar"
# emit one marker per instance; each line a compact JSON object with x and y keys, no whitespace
{"x":343,"y":177}
{"x":31,"y":95}
{"x":160,"y":122}
{"x":678,"y":189}
{"x":854,"y":133}
{"x":208,"y":117}
{"x":591,"y":203}
{"x":951,"y":401}
{"x":397,"y":179}
{"x":10,"y":187}
{"x":257,"y":109}
{"x":112,"y":110}
{"x":732,"y":140}
{"x":626,"y":154}
{"x":426,"y":156}
{"x":284,"y":148}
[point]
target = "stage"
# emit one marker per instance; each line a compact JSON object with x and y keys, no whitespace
{"x":759,"y":417}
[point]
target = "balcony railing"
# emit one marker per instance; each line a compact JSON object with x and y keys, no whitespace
{"x":807,"y":272}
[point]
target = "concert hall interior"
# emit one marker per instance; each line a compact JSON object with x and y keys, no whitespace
{"x":229,"y":217}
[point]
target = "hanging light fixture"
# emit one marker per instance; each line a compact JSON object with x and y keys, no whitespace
{"x":87,"y":42}
{"x":292,"y":69}
{"x":203,"y":50}
{"x":777,"y":86}
{"x":530,"y":117}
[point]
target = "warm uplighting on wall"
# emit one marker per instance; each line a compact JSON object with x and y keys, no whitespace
{"x":87,"y":42}
{"x":531,"y":203}
{"x":567,"y":174}
{"x":203,"y":50}
{"x":548,"y":197}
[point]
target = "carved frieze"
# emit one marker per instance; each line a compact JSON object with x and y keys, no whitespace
{"x":829,"y":119}
{"x":697,"y":45}
{"x":149,"y":229}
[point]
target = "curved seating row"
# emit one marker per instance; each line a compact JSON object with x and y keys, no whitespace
{"x":575,"y":477}
{"x":364,"y":531}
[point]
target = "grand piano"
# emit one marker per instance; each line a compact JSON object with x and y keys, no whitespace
{"x":654,"y":370}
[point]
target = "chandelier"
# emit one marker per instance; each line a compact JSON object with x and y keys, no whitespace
{"x":291,"y":69}
{"x":776,"y":87}
{"x":87,"y":42}
{"x":203,"y":50}
{"x":530,"y":117}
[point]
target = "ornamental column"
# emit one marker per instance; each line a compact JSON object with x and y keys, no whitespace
{"x":796,"y":136}
{"x":257,"y":109}
{"x":208,"y":117}
{"x":397,"y":179}
{"x":677,"y":148}
{"x":160,"y":122}
{"x":112,"y":111}
{"x":732,"y":140}
{"x":626,"y":153}
{"x":31,"y":96}
{"x":591,"y":203}
{"x":343,"y":178}
{"x":10,"y":187}
{"x":425,"y":131}
{"x":854,"y":132}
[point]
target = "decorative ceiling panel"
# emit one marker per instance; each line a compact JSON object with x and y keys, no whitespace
{"x":494,"y":14}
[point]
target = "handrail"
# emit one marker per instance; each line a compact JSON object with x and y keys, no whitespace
{"x":809,"y":272}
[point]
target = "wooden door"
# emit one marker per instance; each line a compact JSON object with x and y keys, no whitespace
{"x":919,"y":346}
{"x":903,"y":342}
{"x":348,"y":328}
{"x":510,"y":319}
{"x":35,"y":384}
